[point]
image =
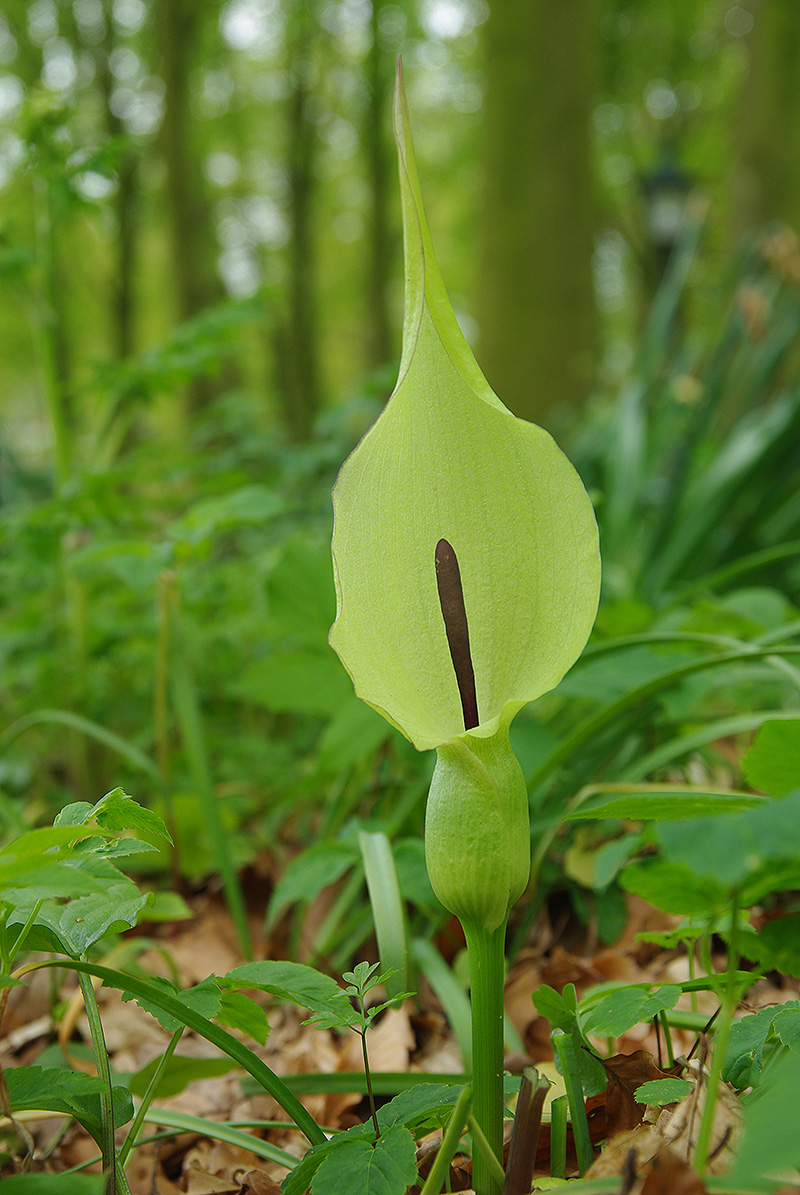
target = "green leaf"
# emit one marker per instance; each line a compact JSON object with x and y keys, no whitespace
{"x":293,"y":982}
{"x":307,"y":874}
{"x":446,"y":460}
{"x":771,"y":1142}
{"x":117,"y":811}
{"x":773,"y":761}
{"x":241,"y":1012}
{"x":665,"y":806}
{"x":745,"y":1052}
{"x":663,"y":1091}
{"x":616,"y":1013}
{"x":562,"y":1013}
{"x":779,"y":944}
{"x":420,"y":1108}
{"x":204,"y":998}
{"x":77,"y":1095}
{"x":301,"y":681}
{"x":54,"y":1184}
{"x":178,"y":1073}
{"x":388,"y":1167}
{"x":250,"y":504}
{"x":674,"y":888}
{"x":298,"y":1181}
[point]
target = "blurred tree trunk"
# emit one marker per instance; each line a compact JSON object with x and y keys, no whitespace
{"x":125,"y":203}
{"x":767,"y":172}
{"x":178,"y":26}
{"x":379,"y":78}
{"x":537,"y":314}
{"x":297,"y":333}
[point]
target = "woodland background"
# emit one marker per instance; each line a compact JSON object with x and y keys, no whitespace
{"x":164,"y":158}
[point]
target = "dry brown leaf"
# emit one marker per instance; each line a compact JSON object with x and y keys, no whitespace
{"x":680,"y":1126}
{"x":626,"y":1073}
{"x":643,"y":1141}
{"x":256,"y":1182}
{"x":667,"y":1174}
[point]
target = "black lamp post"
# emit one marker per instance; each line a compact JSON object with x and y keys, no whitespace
{"x":665,"y":192}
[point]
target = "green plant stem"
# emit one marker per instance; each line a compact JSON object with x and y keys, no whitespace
{"x":190,"y":720}
{"x":481,"y":1149}
{"x":455,"y":1127}
{"x":729,"y":1001}
{"x":147,"y":1099}
{"x":568,"y":1062}
{"x":115,"y":1181}
{"x":558,"y":1137}
{"x":486,"y":959}
{"x":370,"y":1095}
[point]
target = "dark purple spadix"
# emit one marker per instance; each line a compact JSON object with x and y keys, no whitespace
{"x":451,"y":600}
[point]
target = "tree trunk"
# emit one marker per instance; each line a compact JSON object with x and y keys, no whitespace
{"x":767,"y":173}
{"x":537,"y":314}
{"x":178,"y":24}
{"x":379,"y":76}
{"x":297,"y":336}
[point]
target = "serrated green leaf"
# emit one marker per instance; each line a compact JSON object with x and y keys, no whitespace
{"x":425,"y":1105}
{"x":745,"y":1052}
{"x":388,"y":1167}
{"x":239,"y":1011}
{"x":298,"y":1181}
{"x":619,"y":1011}
{"x":294,"y":982}
{"x":204,"y":998}
{"x":663,"y":1091}
{"x":117,"y":811}
{"x":77,"y":1095}
{"x":773,"y":762}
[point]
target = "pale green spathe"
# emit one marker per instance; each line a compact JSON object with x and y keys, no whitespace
{"x":447,"y":460}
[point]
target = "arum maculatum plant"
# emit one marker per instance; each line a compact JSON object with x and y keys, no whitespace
{"x":467,"y":575}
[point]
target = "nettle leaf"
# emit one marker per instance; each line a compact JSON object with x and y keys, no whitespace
{"x":663,"y":1091}
{"x":619,"y":1011}
{"x":296,"y":983}
{"x":117,"y":811}
{"x":298,"y":1180}
{"x":773,"y":761}
{"x":447,"y":461}
{"x":239,"y":1011}
{"x":204,"y":998}
{"x":748,"y":1039}
{"x":388,"y":1167}
{"x":77,"y":1095}
{"x":420,"y":1108}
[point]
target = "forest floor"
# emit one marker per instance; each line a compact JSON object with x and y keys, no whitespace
{"x":413,"y":1037}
